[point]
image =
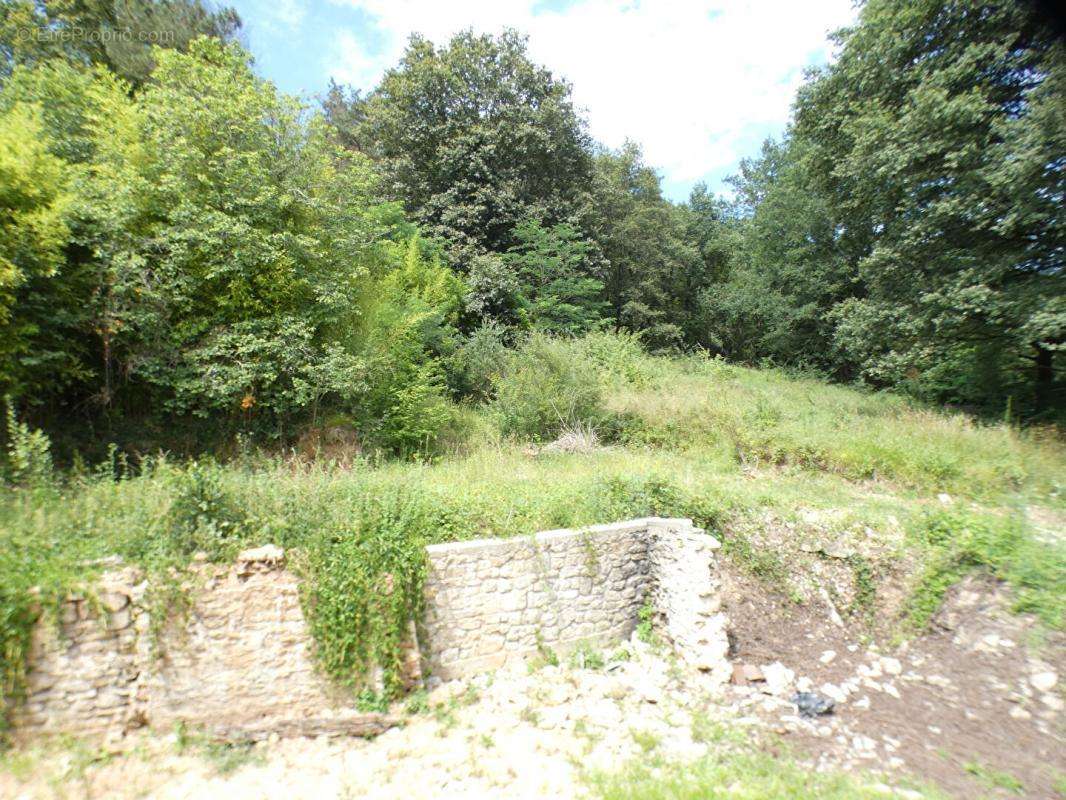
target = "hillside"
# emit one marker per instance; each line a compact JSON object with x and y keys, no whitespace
{"x":811,"y":488}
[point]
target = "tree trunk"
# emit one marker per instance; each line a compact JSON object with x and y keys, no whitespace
{"x":1045,"y":376}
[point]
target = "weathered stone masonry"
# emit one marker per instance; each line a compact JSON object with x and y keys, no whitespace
{"x":241,"y":658}
{"x":491,"y":600}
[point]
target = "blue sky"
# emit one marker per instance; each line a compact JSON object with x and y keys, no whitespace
{"x":698,"y":84}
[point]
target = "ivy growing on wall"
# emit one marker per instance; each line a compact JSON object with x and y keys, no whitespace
{"x":362,"y":587}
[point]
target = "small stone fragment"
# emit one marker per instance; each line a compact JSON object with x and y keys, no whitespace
{"x":1044,"y":681}
{"x":260,"y":559}
{"x":811,"y":704}
{"x":744,"y":674}
{"x":863,"y":744}
{"x":836,"y":693}
{"x":891,"y":666}
{"x":119,"y":620}
{"x":778,"y":678}
{"x":114,"y":601}
{"x":1052,"y":701}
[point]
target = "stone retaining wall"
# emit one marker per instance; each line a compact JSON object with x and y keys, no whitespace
{"x":86,"y":672}
{"x":686,"y":595}
{"x":241,"y":656}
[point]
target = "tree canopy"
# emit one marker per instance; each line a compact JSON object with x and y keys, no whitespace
{"x":475,"y":139}
{"x":937,"y":141}
{"x":183,"y":246}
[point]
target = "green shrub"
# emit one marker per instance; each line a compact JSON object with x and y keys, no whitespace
{"x":405,"y":409}
{"x":362,"y":584}
{"x":16,"y":625}
{"x":548,"y":386}
{"x":203,"y":515}
{"x":29,"y":453}
{"x":403,"y":405}
{"x":478,"y":363}
{"x":618,"y":356}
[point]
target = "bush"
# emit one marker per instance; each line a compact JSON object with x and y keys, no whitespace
{"x":478,"y":363}
{"x":363,"y":584}
{"x":618,"y":357}
{"x":548,"y":385}
{"x":203,"y":514}
{"x":960,"y":542}
{"x":29,"y":453}
{"x":403,"y":405}
{"x":404,"y":409}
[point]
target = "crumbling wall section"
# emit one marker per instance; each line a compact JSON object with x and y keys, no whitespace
{"x":241,"y":657}
{"x":687,"y":594}
{"x":86,"y":667}
{"x":242,"y":654}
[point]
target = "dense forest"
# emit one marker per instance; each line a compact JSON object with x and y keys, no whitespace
{"x":187,"y":254}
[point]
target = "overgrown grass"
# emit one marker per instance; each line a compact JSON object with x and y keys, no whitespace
{"x":959,"y":542}
{"x":736,"y":766}
{"x":994,"y":778}
{"x":767,"y":417}
{"x":751,"y":775}
{"x":225,"y":757}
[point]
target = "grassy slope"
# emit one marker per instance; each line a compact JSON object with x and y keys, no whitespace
{"x":698,"y":438}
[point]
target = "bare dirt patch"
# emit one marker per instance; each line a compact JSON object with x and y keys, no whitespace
{"x":956,"y":707}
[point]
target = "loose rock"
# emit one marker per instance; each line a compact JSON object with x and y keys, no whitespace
{"x":1044,"y":681}
{"x":810,"y":704}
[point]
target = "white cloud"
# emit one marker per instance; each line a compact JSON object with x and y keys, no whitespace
{"x":696,"y":83}
{"x":279,"y":15}
{"x":289,"y":13}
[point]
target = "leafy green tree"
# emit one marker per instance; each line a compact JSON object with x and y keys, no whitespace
{"x":475,"y":139}
{"x":405,"y":333}
{"x":711,"y":228}
{"x":649,"y":256}
{"x":92,"y":127}
{"x":937,"y":141}
{"x":34,"y":203}
{"x":495,"y":292}
{"x":787,"y":272}
{"x":556,"y":290}
{"x":258,"y":245}
{"x":118,"y":34}
{"x":429,"y":290}
{"x":344,"y":110}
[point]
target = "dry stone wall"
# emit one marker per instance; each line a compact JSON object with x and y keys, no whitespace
{"x":492,"y":600}
{"x":241,"y":658}
{"x":241,"y":655}
{"x":687,"y":595}
{"x":85,"y":668}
